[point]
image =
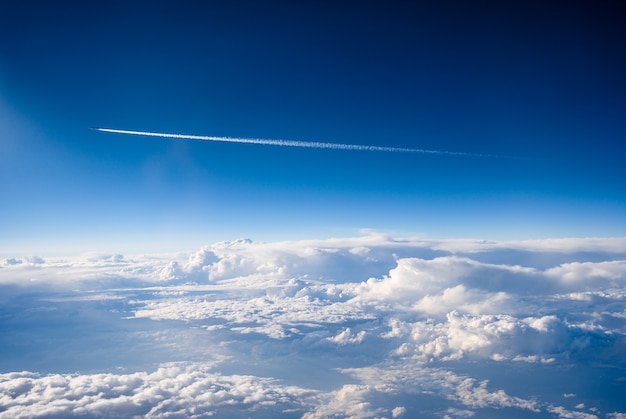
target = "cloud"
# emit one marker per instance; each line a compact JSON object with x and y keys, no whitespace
{"x":91,"y":270}
{"x":563,"y":413}
{"x":466,"y":300}
{"x":398,"y":317}
{"x":459,"y":413}
{"x":413,"y":378}
{"x":11,"y":262}
{"x":199,"y":262}
{"x":398,"y":411}
{"x":274,"y":317}
{"x":334,"y":260}
{"x":350,"y":401}
{"x":174,"y":390}
{"x":451,"y":277}
{"x":445,"y":308}
{"x":498,"y":337}
{"x":26,"y":260}
{"x":591,"y":275}
{"x":346,"y":337}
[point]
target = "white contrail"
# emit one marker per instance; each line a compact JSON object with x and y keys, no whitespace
{"x":290,"y":143}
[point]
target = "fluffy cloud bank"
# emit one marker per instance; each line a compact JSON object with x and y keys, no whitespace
{"x":177,"y":390}
{"x":399,"y":318}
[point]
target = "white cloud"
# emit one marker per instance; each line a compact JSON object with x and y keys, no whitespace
{"x":449,"y":277}
{"x":275,"y":317}
{"x":563,"y":413}
{"x":587,"y":274}
{"x":199,"y":260}
{"x":465,"y":300}
{"x":406,"y":311}
{"x":180,"y":390}
{"x":334,"y":260}
{"x":497,"y":337}
{"x":346,"y":337}
{"x":411,"y":377}
{"x":458,"y":413}
{"x":396,"y":412}
{"x":459,"y":307}
{"x":350,"y":402}
{"x":92,"y":270}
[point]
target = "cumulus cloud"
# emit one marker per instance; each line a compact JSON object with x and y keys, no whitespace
{"x":346,"y":337}
{"x":450,"y":280}
{"x":201,"y":259}
{"x":467,"y":300}
{"x":413,"y":378}
{"x":498,"y":337}
{"x":611,"y":273}
{"x":274,"y":317}
{"x":175,"y":390}
{"x":340,"y":260}
{"x":396,"y":316}
{"x":452,"y":307}
{"x":93,"y":270}
{"x":350,"y":401}
{"x":396,"y":412}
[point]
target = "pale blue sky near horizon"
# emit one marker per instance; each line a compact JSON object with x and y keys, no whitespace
{"x":539,"y":83}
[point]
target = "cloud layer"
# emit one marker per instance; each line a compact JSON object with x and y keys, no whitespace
{"x":176,"y":390}
{"x":362,"y":327}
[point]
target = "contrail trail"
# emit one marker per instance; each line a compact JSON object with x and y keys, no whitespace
{"x":291,"y":143}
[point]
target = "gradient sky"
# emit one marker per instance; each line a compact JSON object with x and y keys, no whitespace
{"x":540,"y":84}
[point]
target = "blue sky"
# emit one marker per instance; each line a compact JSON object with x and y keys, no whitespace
{"x":373,"y":284}
{"x":539,"y":83}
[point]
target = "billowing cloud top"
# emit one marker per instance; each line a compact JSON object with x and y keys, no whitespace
{"x":372,"y":326}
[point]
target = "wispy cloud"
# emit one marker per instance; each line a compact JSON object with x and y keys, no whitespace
{"x":292,"y":143}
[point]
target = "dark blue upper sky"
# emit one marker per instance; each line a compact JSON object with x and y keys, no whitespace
{"x":539,"y":83}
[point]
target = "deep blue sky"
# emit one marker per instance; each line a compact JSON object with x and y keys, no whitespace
{"x":541,"y":83}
